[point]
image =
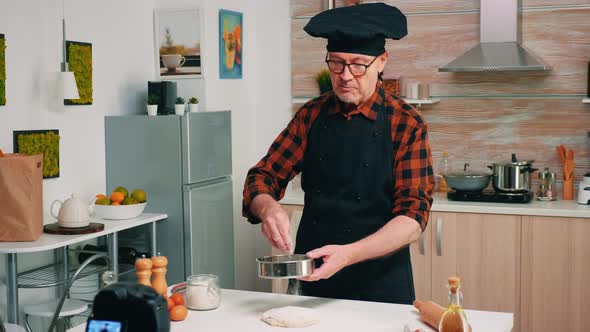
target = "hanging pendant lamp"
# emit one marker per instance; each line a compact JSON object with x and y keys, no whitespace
{"x":70,"y":89}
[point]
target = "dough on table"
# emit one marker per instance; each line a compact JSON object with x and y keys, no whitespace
{"x":291,"y":316}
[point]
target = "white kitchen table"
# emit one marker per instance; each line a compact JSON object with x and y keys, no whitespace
{"x":241,"y":311}
{"x":51,"y":241}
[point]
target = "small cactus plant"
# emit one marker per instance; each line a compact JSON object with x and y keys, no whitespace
{"x":193,"y":100}
{"x":179,"y":101}
{"x":152,"y":99}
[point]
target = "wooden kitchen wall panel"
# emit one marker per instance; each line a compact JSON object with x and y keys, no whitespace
{"x":307,"y":7}
{"x":483,"y":130}
{"x":417,"y":54}
{"x":307,"y":58}
{"x":560,"y":38}
{"x":312,"y":7}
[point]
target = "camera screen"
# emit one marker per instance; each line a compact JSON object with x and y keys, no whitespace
{"x":103,"y":326}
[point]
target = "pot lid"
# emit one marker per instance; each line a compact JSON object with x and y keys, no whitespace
{"x":514,"y":162}
{"x":468,"y":171}
{"x":518,"y":163}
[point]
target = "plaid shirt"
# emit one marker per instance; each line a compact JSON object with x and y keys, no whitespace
{"x":412,"y":163}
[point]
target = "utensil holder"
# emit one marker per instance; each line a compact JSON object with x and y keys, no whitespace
{"x":568,"y":189}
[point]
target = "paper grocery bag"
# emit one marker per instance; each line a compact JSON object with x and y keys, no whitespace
{"x":21,"y":197}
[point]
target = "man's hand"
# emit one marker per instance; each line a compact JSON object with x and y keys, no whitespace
{"x":276,"y":225}
{"x":335,"y":257}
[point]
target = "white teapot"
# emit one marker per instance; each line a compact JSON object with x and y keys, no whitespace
{"x":73,"y":212}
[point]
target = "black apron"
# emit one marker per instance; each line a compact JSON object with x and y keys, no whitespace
{"x":348,"y":181}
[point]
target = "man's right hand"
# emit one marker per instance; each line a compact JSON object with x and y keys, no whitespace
{"x":276,"y":224}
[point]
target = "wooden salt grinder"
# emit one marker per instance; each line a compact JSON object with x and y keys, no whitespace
{"x":159,"y":284}
{"x":143,"y":270}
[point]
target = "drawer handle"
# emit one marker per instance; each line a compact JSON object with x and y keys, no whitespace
{"x":421,"y":244}
{"x":439,"y":225}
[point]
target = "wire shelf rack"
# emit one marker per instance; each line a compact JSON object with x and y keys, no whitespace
{"x":47,"y":276}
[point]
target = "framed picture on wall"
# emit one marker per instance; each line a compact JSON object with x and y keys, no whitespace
{"x":44,"y":142}
{"x":79,"y":55}
{"x":178,"y":40}
{"x":231,"y":47}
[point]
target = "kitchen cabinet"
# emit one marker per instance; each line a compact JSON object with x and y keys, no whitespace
{"x":555,"y":274}
{"x":482,"y":249}
{"x":421,"y":254}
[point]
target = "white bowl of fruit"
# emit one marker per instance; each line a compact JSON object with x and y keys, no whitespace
{"x":120,"y":204}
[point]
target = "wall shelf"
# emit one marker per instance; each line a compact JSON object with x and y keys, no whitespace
{"x":420,"y":102}
{"x":303,"y":100}
{"x":586,"y":100}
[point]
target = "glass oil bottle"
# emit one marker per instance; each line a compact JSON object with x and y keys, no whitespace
{"x":454,"y":319}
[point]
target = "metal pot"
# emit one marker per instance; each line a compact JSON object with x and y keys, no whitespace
{"x":468,"y":180}
{"x":513,"y":176}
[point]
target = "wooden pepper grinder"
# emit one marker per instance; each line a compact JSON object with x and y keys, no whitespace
{"x":143,"y":270}
{"x":159,"y":284}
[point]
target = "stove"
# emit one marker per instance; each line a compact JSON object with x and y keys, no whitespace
{"x":490,"y":196}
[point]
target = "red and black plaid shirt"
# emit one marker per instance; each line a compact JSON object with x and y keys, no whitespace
{"x":412,"y":163}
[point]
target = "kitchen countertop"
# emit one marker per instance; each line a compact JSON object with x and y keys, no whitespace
{"x":241,"y":311}
{"x":558,"y":208}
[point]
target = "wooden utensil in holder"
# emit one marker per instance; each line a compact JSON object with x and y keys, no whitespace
{"x":567,"y":160}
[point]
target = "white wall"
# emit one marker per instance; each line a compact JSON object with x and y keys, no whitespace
{"x":122,"y":63}
{"x":122,"y":39}
{"x":121,"y":33}
{"x":260,"y":103}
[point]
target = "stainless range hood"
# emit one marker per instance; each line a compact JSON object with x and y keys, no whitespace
{"x":500,"y":46}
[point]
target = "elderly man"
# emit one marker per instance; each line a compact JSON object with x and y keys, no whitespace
{"x":366,"y":167}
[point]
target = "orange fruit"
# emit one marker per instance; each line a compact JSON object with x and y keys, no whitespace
{"x":117,"y":197}
{"x":171,"y":304}
{"x":179,"y":312}
{"x":177,"y":298}
{"x":116,"y":203}
{"x":99,"y":196}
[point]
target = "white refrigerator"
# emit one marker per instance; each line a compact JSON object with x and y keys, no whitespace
{"x":184,"y":164}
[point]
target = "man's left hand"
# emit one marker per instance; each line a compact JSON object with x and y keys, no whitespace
{"x":336,"y":257}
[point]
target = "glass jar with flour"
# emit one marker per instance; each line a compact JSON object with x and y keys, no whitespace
{"x":203,"y":292}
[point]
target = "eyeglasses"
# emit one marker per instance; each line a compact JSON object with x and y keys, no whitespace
{"x":356,"y":69}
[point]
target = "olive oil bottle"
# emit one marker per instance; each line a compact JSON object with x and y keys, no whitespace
{"x":454,"y":319}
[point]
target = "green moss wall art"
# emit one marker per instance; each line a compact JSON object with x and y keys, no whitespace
{"x":79,"y":55}
{"x":44,"y":142}
{"x":2,"y":70}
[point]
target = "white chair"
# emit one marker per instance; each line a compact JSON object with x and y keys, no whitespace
{"x":10,"y":327}
{"x":69,"y":308}
{"x":64,"y":308}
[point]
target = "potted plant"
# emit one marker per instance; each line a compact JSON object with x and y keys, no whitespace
{"x":152,"y":104}
{"x":324,"y":81}
{"x":193,"y":104}
{"x":179,"y":106}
